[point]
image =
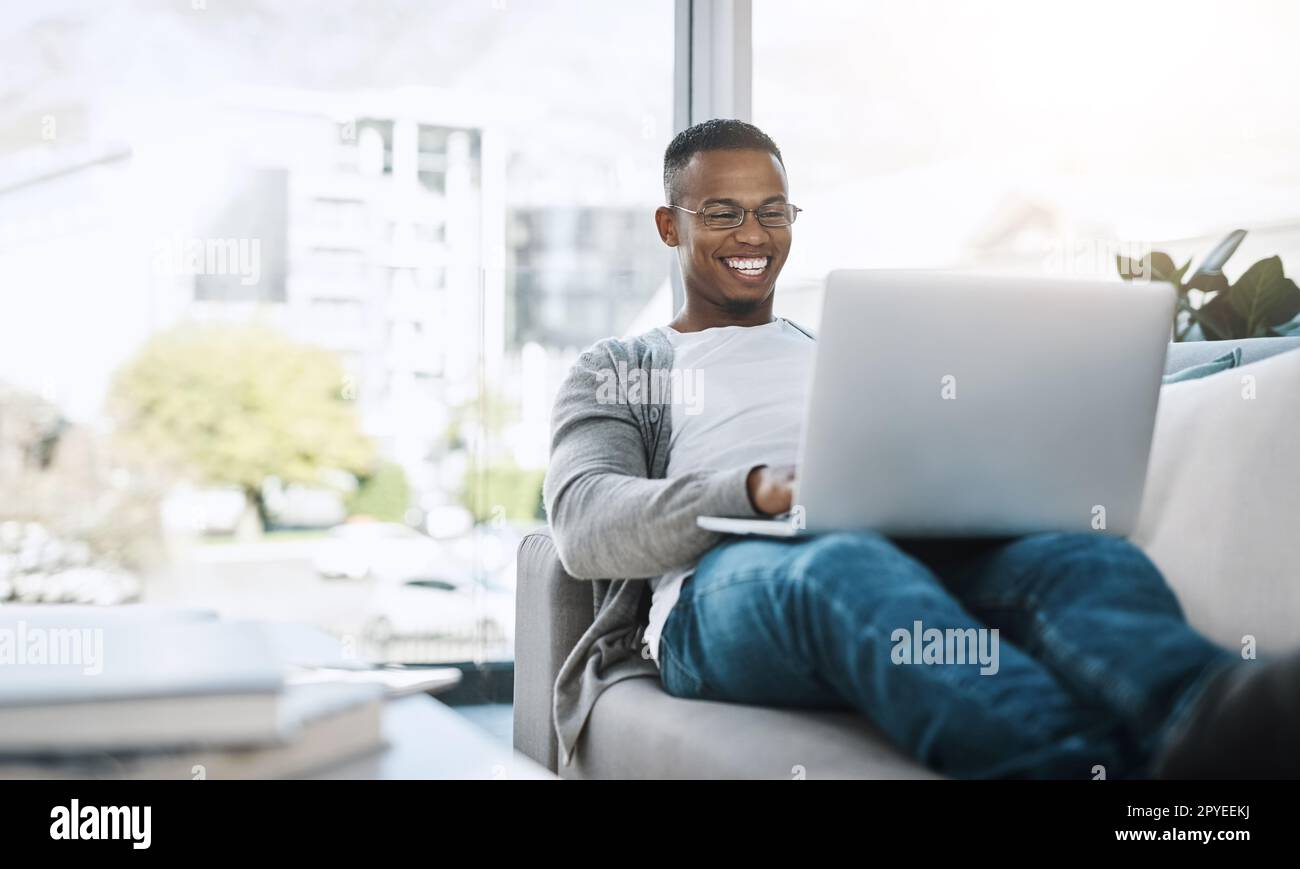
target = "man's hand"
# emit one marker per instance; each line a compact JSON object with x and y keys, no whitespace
{"x":771,"y":489}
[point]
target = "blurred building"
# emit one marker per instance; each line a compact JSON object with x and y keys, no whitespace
{"x":578,"y":272}
{"x":371,"y":223}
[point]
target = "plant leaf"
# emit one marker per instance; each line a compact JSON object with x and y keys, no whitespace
{"x":1209,"y":274}
{"x":1156,"y":266}
{"x":1210,"y":282}
{"x":1163,"y":268}
{"x":1264,"y":297}
{"x":1218,"y":257}
{"x":1218,"y":321}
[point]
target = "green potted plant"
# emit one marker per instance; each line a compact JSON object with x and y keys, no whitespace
{"x":1262,"y":302}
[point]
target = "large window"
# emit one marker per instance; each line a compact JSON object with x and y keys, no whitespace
{"x":286,"y":292}
{"x":285,"y":295}
{"x":1028,"y":136}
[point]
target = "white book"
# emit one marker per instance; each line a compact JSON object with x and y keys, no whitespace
{"x":322,"y":725}
{"x":74,"y":683}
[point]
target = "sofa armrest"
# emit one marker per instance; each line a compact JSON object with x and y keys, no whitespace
{"x":552,"y":611}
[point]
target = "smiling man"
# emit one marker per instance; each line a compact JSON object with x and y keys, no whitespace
{"x":729,"y":262}
{"x":1096,"y":666}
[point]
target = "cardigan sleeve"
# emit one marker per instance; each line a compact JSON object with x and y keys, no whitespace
{"x":608,"y":518}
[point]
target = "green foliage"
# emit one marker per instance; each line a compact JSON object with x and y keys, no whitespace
{"x":1264,"y":297}
{"x":384,"y":495}
{"x":504,"y":491}
{"x":235,"y":404}
{"x":489,"y":411}
{"x":1262,"y":302}
{"x":494,"y":486}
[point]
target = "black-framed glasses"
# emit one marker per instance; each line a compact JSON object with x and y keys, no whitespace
{"x":723,"y":216}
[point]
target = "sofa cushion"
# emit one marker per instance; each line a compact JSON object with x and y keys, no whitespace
{"x":1231,"y":359}
{"x":1222,"y":500}
{"x":639,"y":731}
{"x":1185,"y":354}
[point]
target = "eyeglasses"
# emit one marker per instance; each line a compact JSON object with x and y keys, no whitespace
{"x":723,"y":216}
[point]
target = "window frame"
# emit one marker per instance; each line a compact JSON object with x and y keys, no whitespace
{"x":712,"y":75}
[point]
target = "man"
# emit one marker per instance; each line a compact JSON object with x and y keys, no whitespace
{"x":1096,"y":667}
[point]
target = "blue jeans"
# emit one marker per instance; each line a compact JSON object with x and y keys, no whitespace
{"x":1094,"y":659}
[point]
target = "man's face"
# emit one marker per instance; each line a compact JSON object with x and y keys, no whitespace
{"x":717,"y":264}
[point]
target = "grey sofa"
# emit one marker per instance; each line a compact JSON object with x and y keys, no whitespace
{"x":637,"y":730}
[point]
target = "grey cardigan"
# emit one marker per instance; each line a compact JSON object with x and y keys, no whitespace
{"x":614,"y":517}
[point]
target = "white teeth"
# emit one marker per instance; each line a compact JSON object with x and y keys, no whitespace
{"x":748,"y":266}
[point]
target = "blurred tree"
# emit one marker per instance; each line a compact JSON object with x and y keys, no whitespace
{"x":503,"y":490}
{"x":384,"y":495}
{"x":494,"y":486}
{"x":489,"y":412}
{"x":234,"y":404}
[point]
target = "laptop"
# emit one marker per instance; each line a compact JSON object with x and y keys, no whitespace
{"x":961,"y":405}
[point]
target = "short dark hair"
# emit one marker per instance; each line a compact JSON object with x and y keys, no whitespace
{"x":719,"y":134}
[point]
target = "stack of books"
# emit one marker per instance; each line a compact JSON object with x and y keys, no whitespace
{"x":137,"y":693}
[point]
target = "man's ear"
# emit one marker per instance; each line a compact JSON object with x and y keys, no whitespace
{"x":666,"y":223}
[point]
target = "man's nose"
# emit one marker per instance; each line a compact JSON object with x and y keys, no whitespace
{"x":751,"y":231}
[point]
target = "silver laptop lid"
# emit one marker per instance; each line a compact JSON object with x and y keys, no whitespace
{"x":957,"y":404}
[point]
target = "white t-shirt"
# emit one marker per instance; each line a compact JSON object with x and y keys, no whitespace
{"x":741,"y":402}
